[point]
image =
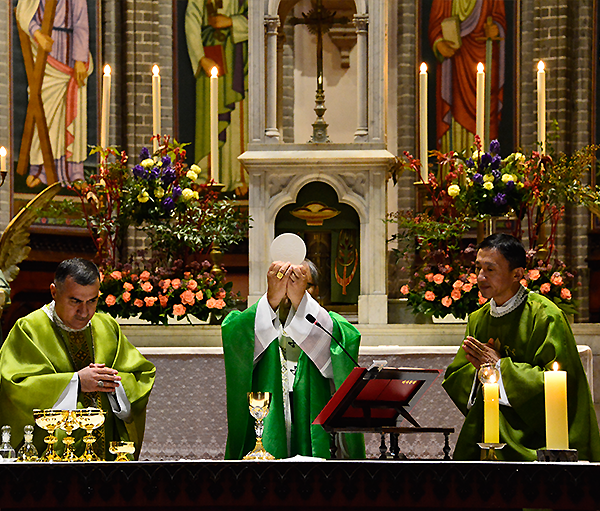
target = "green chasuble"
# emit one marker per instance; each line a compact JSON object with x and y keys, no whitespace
{"x":311,"y":389}
{"x":37,"y":363}
{"x":530,"y":339}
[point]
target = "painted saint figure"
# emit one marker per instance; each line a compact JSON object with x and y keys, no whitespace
{"x":217,"y":35}
{"x":63,"y":89}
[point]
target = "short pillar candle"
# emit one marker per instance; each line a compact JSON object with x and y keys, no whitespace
{"x":557,"y":422}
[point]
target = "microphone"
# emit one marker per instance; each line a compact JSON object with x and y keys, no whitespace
{"x":311,"y":319}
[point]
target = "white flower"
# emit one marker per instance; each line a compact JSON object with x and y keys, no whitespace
{"x":187,"y":194}
{"x":191,"y":175}
{"x":453,"y":190}
{"x":488,"y":185}
{"x":477,"y":155}
{"x":148,"y":163}
{"x":195,"y":168}
{"x":508,"y":177}
{"x":159,"y":193}
{"x":143,"y":197}
{"x":488,"y":178}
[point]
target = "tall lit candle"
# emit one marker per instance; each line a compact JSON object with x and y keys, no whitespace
{"x":541,"y":111}
{"x":491,"y":413}
{"x":104,"y":117}
{"x":214,"y":124}
{"x":557,"y":422}
{"x":423,"y":122}
{"x":156,"y":129}
{"x":3,"y":153}
{"x":480,"y":103}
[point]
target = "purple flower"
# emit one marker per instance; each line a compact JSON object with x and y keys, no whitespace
{"x":139,"y":171}
{"x":470,"y":163}
{"x":478,"y":178}
{"x":154,"y":173}
{"x":144,"y":154}
{"x":510,"y":186}
{"x":495,"y":147}
{"x":497,"y":174}
{"x":176,"y":192}
{"x":168,"y":176}
{"x":168,"y":204}
{"x":500,"y":199}
{"x":496,"y":161}
{"x":166,"y":161}
{"x":485,"y":160}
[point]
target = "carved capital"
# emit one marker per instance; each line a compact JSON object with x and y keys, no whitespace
{"x":272,"y":24}
{"x":361,"y":21}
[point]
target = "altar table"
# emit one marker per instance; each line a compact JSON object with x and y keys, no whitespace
{"x":300,"y":485}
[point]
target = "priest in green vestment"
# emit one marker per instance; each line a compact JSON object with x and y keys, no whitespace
{"x":65,"y":356}
{"x":296,"y":361}
{"x":522,"y":333}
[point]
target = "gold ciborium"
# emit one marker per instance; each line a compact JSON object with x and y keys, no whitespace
{"x":259,"y":408}
{"x":69,"y":425}
{"x":121,"y":449}
{"x":89,"y":419}
{"x":50,"y":420}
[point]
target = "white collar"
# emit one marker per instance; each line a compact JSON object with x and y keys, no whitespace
{"x":510,"y":305}
{"x":50,"y":310}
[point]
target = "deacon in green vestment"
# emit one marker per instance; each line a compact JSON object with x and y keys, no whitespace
{"x":523,"y":334}
{"x":297,"y":362}
{"x":64,"y":356}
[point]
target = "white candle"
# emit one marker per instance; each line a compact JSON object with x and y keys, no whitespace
{"x":557,"y":421}
{"x":156,"y":129}
{"x":3,"y":160}
{"x":480,"y":103}
{"x":104,"y":117}
{"x":541,"y":111}
{"x":214,"y":124}
{"x":423,"y":122}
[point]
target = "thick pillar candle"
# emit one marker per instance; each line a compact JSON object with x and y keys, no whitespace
{"x":541,"y":111}
{"x":156,"y":129}
{"x":214,"y":124}
{"x":491,"y":413}
{"x":104,"y":117}
{"x":557,"y":422}
{"x":423,"y":122}
{"x":480,"y":103}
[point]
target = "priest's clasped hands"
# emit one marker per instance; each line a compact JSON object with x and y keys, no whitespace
{"x":98,"y":378}
{"x":286,"y":280}
{"x":479,"y":353}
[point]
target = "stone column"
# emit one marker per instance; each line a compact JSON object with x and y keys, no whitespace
{"x":271,"y":131}
{"x":362,"y":130}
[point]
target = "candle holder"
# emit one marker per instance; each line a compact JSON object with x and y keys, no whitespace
{"x":490,"y":451}
{"x":557,"y":455}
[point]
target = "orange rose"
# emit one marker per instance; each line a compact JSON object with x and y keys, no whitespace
{"x":482,"y":299}
{"x":219,"y":304}
{"x":565,"y":294}
{"x":187,"y":297}
{"x":429,"y":277}
{"x":472,"y":278}
{"x":429,"y":296}
{"x":164,"y":300}
{"x":458,"y":284}
{"x":523,"y":282}
{"x":438,"y":278}
{"x":144,"y":276}
{"x":138,"y":303}
{"x":446,"y":301}
{"x":117,"y":275}
{"x":210,"y":303}
{"x":456,"y":294}
{"x":221,"y":294}
{"x":467,"y":288}
{"x":199,"y":295}
{"x":110,"y":300}
{"x":164,"y":284}
{"x":127,"y":286}
{"x":534,"y":274}
{"x":176,"y":283}
{"x":545,"y":288}
{"x":405,"y":289}
{"x":179,"y":310}
{"x":187,"y":274}
{"x":150,"y":300}
{"x":146,"y":286}
{"x":192,"y":285}
{"x":126,"y":296}
{"x":556,"y":279}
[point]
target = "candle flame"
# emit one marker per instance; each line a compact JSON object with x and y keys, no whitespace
{"x":2,"y":151}
{"x":555,"y":366}
{"x":480,"y":67}
{"x":155,"y":70}
{"x":214,"y":71}
{"x":107,"y":70}
{"x":541,"y":65}
{"x":423,"y":67}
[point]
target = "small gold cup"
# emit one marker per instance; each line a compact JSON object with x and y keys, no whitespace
{"x":69,"y":424}
{"x":259,"y":403}
{"x":49,"y":420}
{"x":121,"y":449}
{"x":89,"y":419}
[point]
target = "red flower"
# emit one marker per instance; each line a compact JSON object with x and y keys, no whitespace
{"x":438,"y":278}
{"x":565,"y":294}
{"x":110,"y":300}
{"x":176,"y":283}
{"x":446,"y":301}
{"x":126,"y":296}
{"x":146,"y":286}
{"x":192,"y":285}
{"x":150,"y":300}
{"x":163,"y":300}
{"x":456,"y":294}
{"x":556,"y":279}
{"x":199,"y":295}
{"x":429,"y":296}
{"x":138,"y":303}
{"x":127,"y":286}
{"x":145,"y":275}
{"x":545,"y":288}
{"x":117,"y":275}
{"x":405,"y":289}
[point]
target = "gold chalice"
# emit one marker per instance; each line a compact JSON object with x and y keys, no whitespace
{"x":121,"y":449}
{"x":89,"y":419}
{"x":49,"y":420}
{"x":259,"y":408}
{"x":69,"y":425}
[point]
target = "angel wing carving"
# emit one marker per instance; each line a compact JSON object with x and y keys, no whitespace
{"x":14,"y":242}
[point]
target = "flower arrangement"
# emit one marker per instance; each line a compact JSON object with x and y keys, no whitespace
{"x":176,"y":292}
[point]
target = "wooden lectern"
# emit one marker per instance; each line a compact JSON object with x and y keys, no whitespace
{"x":378,"y":400}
